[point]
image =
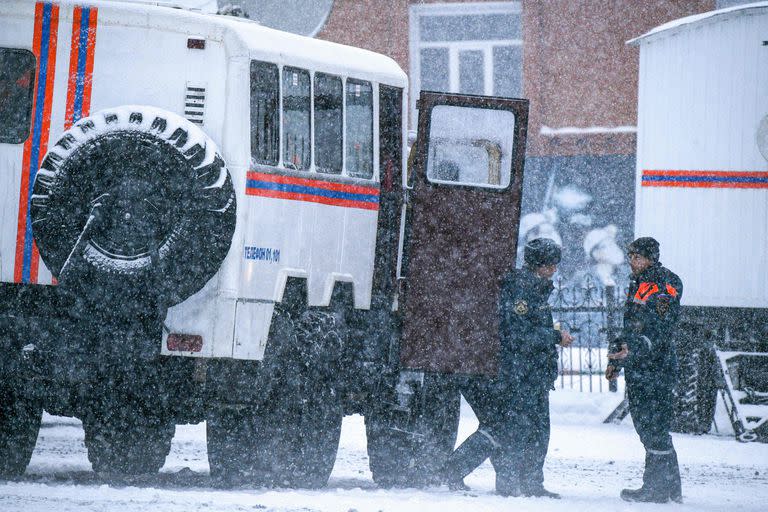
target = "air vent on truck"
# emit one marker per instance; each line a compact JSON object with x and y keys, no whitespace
{"x":194,"y":103}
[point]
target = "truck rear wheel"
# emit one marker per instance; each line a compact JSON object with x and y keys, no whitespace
{"x":127,"y":428}
{"x":19,"y":425}
{"x":409,"y":449}
{"x":304,"y":430}
{"x":289,"y":442}
{"x":165,"y":200}
{"x":124,"y":439}
{"x":290,"y":438}
{"x":696,"y":391}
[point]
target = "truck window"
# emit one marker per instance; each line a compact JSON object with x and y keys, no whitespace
{"x":359,"y":129}
{"x":17,"y":80}
{"x":297,"y":146}
{"x":458,"y":156}
{"x":265,"y":98}
{"x":328,"y":123}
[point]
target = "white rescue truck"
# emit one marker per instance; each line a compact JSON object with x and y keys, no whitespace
{"x":702,"y":191}
{"x":206,"y":219}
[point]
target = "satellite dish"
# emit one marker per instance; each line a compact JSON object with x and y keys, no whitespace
{"x":761,"y":137}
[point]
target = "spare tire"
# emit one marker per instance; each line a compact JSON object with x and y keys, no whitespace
{"x":167,"y":211}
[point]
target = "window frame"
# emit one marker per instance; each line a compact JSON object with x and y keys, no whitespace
{"x":279,"y":106}
{"x":30,"y":98}
{"x":341,"y":80}
{"x":373,"y":128}
{"x":455,"y":47}
{"x":312,"y":170}
{"x":311,"y":118}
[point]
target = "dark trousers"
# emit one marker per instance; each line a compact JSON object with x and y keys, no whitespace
{"x":489,"y":400}
{"x":513,"y":432}
{"x":650,"y":404}
{"x":523,"y":458}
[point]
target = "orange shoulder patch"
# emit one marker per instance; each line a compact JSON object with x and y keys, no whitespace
{"x":644,"y":291}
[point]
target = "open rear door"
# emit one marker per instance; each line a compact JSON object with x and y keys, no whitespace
{"x":462,"y":225}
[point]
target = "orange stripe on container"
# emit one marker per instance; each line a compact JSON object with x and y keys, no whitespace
{"x":702,"y":184}
{"x":742,"y":174}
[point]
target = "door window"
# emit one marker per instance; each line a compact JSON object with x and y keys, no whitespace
{"x":470,"y":146}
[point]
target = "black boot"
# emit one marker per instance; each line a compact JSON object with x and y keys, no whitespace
{"x":654,"y":489}
{"x":673,"y":478}
{"x":644,"y":495}
{"x":457,"y":485}
{"x":507,"y":474}
{"x":468,"y":456}
{"x":540,"y":492}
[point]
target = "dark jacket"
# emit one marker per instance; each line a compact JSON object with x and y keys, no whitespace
{"x":651,"y":315}
{"x":526,"y":330}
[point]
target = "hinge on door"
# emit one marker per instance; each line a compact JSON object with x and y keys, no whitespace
{"x":194,"y":102}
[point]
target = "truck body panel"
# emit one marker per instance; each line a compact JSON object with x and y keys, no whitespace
{"x":99,"y":55}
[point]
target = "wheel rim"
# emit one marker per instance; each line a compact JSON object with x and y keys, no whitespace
{"x":138,"y":211}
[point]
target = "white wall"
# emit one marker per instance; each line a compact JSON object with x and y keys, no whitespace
{"x":703,"y":92}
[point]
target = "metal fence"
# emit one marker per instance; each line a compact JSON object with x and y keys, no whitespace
{"x":592,"y":313}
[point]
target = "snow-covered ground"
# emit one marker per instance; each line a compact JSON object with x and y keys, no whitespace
{"x":589,"y":463}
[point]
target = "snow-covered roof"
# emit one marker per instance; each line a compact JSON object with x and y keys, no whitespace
{"x":258,"y":41}
{"x":718,"y":15}
{"x":326,"y":55}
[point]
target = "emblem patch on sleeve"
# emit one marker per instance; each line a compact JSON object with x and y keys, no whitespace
{"x":521,"y":307}
{"x":662,"y":306}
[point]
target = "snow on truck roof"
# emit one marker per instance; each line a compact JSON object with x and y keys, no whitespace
{"x":674,"y":26}
{"x":258,"y":41}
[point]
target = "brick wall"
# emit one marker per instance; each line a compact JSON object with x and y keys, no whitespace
{"x":577,"y":71}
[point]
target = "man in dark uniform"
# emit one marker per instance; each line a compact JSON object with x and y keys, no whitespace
{"x":646,"y":351}
{"x":513,"y":409}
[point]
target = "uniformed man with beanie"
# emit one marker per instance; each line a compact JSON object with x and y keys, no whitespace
{"x":646,"y":351}
{"x":513,"y":408}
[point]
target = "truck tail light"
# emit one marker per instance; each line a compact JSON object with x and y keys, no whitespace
{"x":184,"y":342}
{"x":196,"y":44}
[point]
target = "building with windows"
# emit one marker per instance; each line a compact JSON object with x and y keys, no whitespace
{"x":568,"y":57}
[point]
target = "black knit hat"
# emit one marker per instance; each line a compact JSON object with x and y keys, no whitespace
{"x":645,"y":246}
{"x":541,"y":251}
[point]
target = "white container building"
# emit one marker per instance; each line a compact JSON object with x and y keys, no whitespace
{"x":702,"y":168}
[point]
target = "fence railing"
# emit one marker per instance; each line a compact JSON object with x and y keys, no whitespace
{"x":591,"y":312}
